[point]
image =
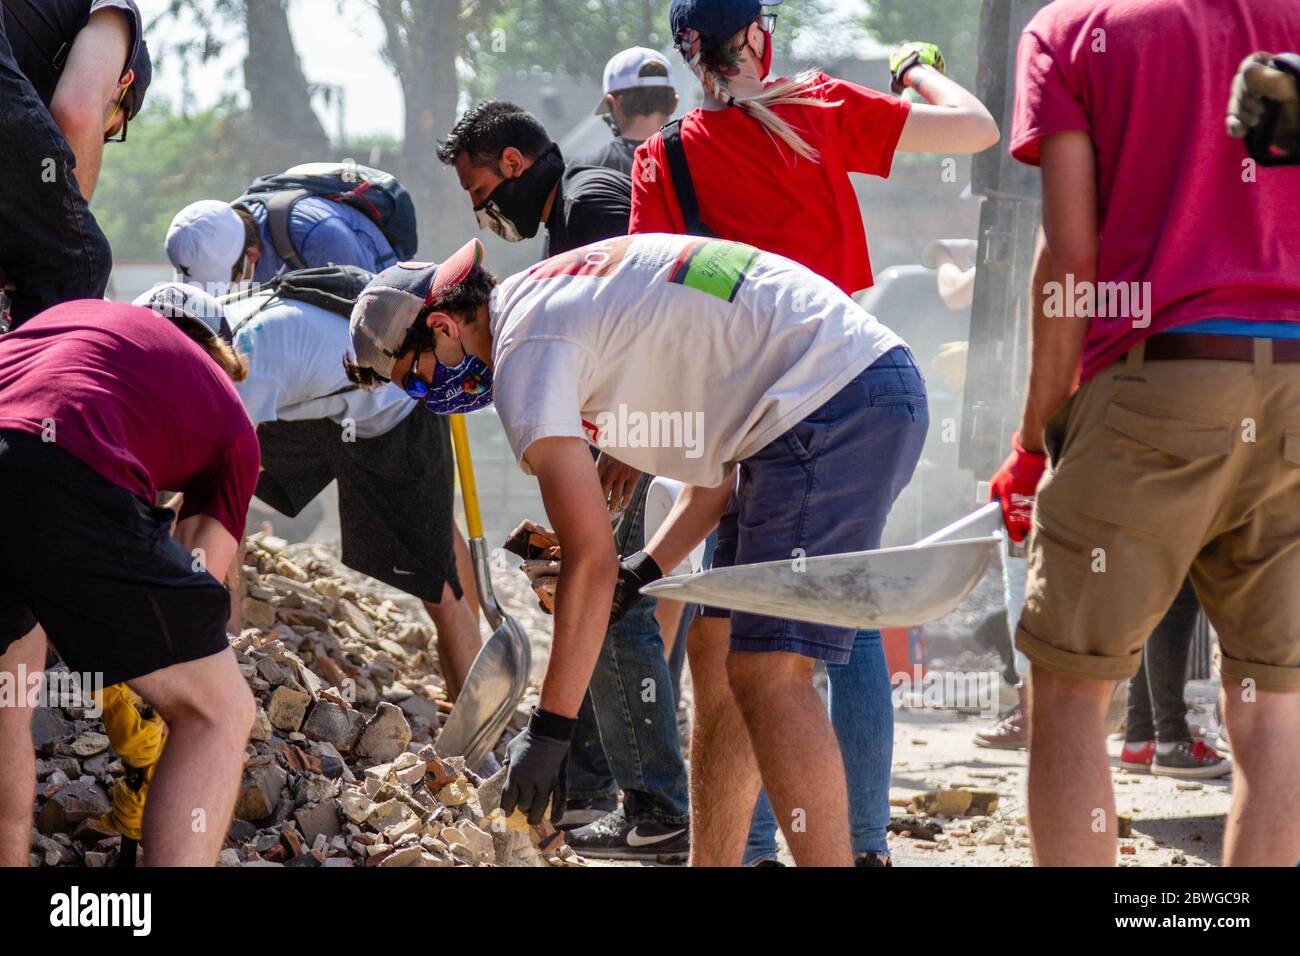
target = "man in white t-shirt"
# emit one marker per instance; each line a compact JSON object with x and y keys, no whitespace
{"x":394,"y":469}
{"x":794,"y":417}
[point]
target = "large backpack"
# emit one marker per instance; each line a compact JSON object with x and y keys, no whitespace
{"x":376,"y":194}
{"x":332,"y":288}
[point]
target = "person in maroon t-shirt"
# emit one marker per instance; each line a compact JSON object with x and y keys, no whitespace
{"x":102,"y":405}
{"x":1158,"y":439}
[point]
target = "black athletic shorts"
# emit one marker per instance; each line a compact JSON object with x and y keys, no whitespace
{"x":396,"y":495}
{"x":98,"y":569}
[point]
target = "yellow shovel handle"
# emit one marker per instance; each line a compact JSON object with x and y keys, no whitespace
{"x":465,"y":466}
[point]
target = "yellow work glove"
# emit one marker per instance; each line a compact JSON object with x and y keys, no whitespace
{"x":137,"y":733}
{"x":909,"y":55}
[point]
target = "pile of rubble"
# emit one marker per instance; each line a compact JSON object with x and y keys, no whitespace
{"x":340,"y":768}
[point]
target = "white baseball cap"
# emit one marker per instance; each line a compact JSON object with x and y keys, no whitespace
{"x":204,"y":242}
{"x":623,"y":72}
{"x":180,"y":301}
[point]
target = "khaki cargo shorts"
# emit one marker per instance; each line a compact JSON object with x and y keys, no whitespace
{"x":1158,"y":469}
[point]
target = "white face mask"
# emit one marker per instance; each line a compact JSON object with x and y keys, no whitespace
{"x":514,"y":210}
{"x":490,"y":217}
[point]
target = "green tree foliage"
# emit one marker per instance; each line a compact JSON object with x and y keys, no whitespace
{"x":167,"y":162}
{"x":171,"y":160}
{"x":577,"y":37}
{"x":952,"y":24}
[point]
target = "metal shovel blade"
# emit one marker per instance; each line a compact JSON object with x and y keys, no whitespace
{"x":493,"y":688}
{"x":496,"y":681}
{"x":890,"y":587}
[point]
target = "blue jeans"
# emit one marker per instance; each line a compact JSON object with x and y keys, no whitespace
{"x":862,"y":713}
{"x":51,"y":248}
{"x":626,"y":736}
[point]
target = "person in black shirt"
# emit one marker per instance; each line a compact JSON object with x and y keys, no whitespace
{"x":639,"y":99}
{"x":517,"y":182}
{"x":73,"y":74}
{"x":591,"y":203}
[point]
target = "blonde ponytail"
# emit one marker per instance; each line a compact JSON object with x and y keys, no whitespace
{"x":793,"y":91}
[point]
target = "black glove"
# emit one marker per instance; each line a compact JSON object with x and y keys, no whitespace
{"x":536,"y":760}
{"x":634,"y":573}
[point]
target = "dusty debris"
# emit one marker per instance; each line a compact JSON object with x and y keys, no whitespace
{"x":915,"y":827}
{"x":956,"y":802}
{"x":340,"y":768}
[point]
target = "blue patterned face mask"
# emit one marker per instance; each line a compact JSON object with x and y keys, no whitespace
{"x":456,"y":389}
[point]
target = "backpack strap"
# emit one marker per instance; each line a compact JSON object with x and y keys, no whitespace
{"x":52,"y":46}
{"x":683,"y":185}
{"x":278,"y":206}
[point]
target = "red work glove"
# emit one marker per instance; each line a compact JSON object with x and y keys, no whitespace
{"x":1015,"y":485}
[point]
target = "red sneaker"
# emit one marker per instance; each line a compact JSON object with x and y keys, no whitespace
{"x":1192,"y":759}
{"x":1137,"y":759}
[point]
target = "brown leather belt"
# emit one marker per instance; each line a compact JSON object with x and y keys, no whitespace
{"x":1224,"y":348}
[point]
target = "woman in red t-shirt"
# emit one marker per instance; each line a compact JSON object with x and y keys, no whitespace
{"x":770,"y":164}
{"x":770,"y":161}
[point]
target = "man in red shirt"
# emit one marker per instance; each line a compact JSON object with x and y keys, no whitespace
{"x":101,"y":406}
{"x":1161,"y":412}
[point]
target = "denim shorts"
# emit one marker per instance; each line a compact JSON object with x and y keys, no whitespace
{"x":824,"y":487}
{"x":51,"y":248}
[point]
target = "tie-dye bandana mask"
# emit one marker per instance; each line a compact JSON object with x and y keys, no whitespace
{"x":459,"y":389}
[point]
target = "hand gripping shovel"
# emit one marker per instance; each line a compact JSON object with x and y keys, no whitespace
{"x":499,"y":676}
{"x":892,"y":587}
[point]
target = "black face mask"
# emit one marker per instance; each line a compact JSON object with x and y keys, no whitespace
{"x":514,"y":210}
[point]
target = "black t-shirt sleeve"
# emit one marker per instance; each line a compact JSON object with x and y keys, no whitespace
{"x":597,"y":205}
{"x":617,"y":155}
{"x":63,"y":20}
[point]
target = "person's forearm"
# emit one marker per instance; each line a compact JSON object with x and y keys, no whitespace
{"x":1056,"y":347}
{"x":940,"y":90}
{"x":952,"y":119}
{"x":88,"y":147}
{"x":76,"y":114}
{"x":694,"y":516}
{"x":582,"y":603}
{"x":89,"y":79}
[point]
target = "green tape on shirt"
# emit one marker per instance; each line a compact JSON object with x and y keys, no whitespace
{"x":717,"y":268}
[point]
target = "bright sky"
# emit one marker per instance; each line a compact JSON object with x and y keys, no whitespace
{"x":333,"y":49}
